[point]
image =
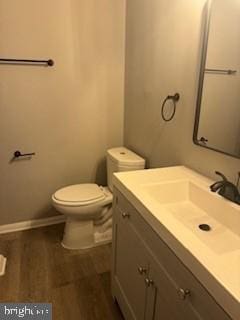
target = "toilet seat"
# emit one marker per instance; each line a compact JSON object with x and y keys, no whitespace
{"x":80,"y":194}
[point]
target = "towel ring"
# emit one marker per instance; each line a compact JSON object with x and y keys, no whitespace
{"x":174,"y":98}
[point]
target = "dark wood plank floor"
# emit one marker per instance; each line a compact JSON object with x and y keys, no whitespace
{"x":39,"y":269}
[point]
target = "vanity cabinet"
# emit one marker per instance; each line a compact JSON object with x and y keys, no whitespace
{"x":148,"y":280}
{"x":129,"y":276}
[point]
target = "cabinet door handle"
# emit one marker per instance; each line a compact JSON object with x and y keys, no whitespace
{"x":142,"y":270}
{"x":149,"y":282}
{"x":125,"y":215}
{"x":183,"y":293}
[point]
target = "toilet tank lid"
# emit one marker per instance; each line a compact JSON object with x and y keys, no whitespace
{"x":125,"y":157}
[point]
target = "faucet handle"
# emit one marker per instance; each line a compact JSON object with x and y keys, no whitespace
{"x":221,"y":175}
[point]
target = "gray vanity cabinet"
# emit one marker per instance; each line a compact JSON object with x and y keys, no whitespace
{"x":129,"y":277}
{"x":164,"y":300}
{"x":149,"y":282}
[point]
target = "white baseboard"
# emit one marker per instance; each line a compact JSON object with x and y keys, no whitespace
{"x":31,"y":224}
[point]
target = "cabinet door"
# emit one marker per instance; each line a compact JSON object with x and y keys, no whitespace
{"x":165,"y":299}
{"x":130,"y":267}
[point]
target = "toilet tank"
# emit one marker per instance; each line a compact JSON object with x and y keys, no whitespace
{"x":122,"y":159}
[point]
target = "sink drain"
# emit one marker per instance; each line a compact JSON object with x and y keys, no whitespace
{"x":204,"y":227}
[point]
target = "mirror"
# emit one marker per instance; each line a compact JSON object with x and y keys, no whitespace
{"x":217,"y":122}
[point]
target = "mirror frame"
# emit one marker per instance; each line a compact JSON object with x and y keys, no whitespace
{"x":204,"y":48}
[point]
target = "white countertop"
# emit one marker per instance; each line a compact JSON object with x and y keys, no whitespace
{"x":216,"y":265}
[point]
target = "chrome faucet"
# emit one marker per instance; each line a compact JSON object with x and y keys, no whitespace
{"x":226,"y":188}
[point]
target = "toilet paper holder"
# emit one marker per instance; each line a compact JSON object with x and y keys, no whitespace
{"x":18,"y":154}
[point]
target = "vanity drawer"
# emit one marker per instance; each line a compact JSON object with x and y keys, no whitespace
{"x":179,"y":275}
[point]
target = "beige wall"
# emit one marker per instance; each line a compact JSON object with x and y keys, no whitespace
{"x":70,"y":114}
{"x":162,"y":57}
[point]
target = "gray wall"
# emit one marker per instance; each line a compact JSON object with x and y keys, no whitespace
{"x":162,"y":57}
{"x":70,"y":114}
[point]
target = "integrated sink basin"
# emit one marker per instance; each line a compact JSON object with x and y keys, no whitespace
{"x":201,"y":211}
{"x":201,"y":227}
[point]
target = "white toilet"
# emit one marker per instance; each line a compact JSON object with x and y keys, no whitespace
{"x":88,"y":207}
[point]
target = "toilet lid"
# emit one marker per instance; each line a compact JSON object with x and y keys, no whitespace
{"x":80,"y":193}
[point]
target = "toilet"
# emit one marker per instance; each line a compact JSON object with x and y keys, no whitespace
{"x":88,"y":207}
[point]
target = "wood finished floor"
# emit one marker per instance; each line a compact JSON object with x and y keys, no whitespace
{"x":39,"y":269}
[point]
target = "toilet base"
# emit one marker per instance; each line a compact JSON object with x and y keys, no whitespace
{"x":84,"y":235}
{"x":101,"y":238}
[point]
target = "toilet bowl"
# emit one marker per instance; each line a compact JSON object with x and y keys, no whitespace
{"x":88,"y":207}
{"x":85,"y":207}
